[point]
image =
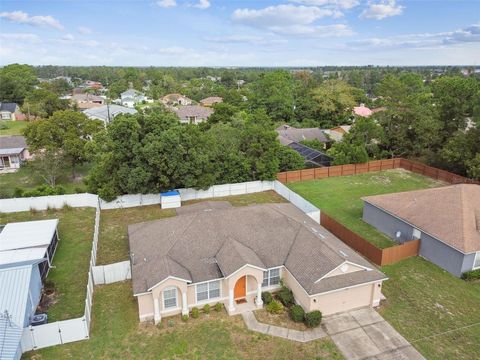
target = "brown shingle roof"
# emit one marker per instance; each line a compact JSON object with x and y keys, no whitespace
{"x":213,"y":242}
{"x":288,"y":134}
{"x":186,"y":111}
{"x":209,"y":101}
{"x":451,"y":213}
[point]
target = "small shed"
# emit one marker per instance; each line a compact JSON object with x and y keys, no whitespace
{"x":170,"y":199}
{"x":29,"y":242}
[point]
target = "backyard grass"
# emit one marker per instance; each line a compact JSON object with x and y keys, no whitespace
{"x":26,"y":179}
{"x":340,"y":197}
{"x":71,"y":259}
{"x":424,"y":300}
{"x":117,"y":334}
{"x":8,"y":127}
{"x":113,"y":240}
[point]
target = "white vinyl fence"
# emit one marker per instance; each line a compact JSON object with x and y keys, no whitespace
{"x":307,"y":207}
{"x":107,"y":274}
{"x":48,"y":202}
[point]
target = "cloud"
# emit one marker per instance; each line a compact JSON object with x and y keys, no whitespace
{"x":20,"y":37}
{"x":202,"y":4}
{"x":21,"y":17}
{"x":341,"y":4}
{"x":68,"y":37}
{"x":468,"y":34}
{"x":84,"y":30}
{"x":245,"y":39}
{"x":282,"y":15}
{"x":381,"y":10}
{"x":167,"y":3}
{"x":315,"y":31}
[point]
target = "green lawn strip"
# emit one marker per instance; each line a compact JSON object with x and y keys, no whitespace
{"x":113,"y":243}
{"x":26,"y":179}
{"x":340,"y":197}
{"x":71,"y":260}
{"x":117,"y":334}
{"x":423,"y":300}
{"x":12,"y":127}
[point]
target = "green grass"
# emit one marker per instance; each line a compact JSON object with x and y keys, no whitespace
{"x":71,"y":259}
{"x":26,"y":179}
{"x":117,"y":334}
{"x":340,"y":197}
{"x":113,"y":241}
{"x":423,"y":300}
{"x":12,"y":127}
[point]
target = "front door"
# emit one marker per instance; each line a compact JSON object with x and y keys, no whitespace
{"x":240,"y":291}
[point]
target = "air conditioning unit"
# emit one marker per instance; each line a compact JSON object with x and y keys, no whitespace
{"x":39,"y":319}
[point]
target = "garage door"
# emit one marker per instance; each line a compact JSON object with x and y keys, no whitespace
{"x":344,"y":300}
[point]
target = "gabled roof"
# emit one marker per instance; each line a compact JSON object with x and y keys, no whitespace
{"x":16,"y":142}
{"x":212,"y":240}
{"x":10,"y":107}
{"x":450,"y":213}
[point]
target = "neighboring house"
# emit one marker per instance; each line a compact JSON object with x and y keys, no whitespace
{"x":13,"y":151}
{"x":9,"y":111}
{"x":21,"y":291}
{"x":131,"y":97}
{"x":212,"y":252}
{"x":93,"y":84}
{"x":87,"y":101}
{"x":338,"y":132}
{"x":193,"y":114}
{"x":175,"y":100}
{"x":29,"y":242}
{"x":362,"y":110}
{"x":445,"y":219}
{"x":210,"y":101}
{"x":292,"y":137}
{"x":107,"y":113}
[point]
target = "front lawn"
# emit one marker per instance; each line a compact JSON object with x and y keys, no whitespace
{"x":71,"y":259}
{"x":424,"y":300}
{"x":117,"y":334}
{"x":25,"y":178}
{"x":9,"y":127}
{"x":340,"y":197}
{"x":113,"y":241}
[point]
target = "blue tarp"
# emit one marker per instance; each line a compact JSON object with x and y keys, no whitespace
{"x":170,"y":193}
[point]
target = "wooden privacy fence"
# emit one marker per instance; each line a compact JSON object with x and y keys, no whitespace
{"x":376,"y":255}
{"x":376,"y":165}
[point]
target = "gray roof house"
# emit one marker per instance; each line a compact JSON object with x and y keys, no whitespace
{"x":131,"y":97}
{"x":107,"y":113}
{"x":193,"y":114}
{"x":213,"y":252}
{"x":8,"y":111}
{"x":13,"y":151}
{"x":445,"y":219}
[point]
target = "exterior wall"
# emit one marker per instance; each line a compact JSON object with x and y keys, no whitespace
{"x":346,"y":299}
{"x":252,"y":275}
{"x":145,"y":307}
{"x":301,"y":297}
{"x":35,"y":293}
{"x":192,"y":297}
{"x":157,"y":292}
{"x":430,"y":248}
{"x":468,"y":261}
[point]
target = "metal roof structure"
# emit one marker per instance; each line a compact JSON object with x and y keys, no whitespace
{"x":29,"y":255}
{"x":10,"y":337}
{"x":311,"y":155}
{"x":28,"y":234}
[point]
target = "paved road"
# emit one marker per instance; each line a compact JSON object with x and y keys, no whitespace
{"x":363,"y":334}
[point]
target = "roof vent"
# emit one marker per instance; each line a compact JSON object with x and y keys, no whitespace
{"x":343,"y":253}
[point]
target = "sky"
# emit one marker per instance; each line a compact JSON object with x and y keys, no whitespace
{"x":240,"y":32}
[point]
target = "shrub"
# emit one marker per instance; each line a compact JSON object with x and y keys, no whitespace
{"x":218,"y":307}
{"x":195,"y":312}
{"x":285,"y":295}
{"x":313,"y":318}
{"x":274,"y":307}
{"x":297,"y":313}
{"x":18,"y":192}
{"x":171,"y":323}
{"x":206,"y":309}
{"x":185,"y":318}
{"x":267,"y":297}
{"x":471,"y":275}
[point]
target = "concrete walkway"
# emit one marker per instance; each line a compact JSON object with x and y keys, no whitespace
{"x":290,"y":334}
{"x":363,"y":334}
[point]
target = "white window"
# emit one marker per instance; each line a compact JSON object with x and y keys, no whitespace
{"x":170,"y":298}
{"x":207,"y":291}
{"x":476,"y":262}
{"x":271,"y":277}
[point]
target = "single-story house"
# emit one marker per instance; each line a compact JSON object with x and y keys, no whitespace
{"x":445,"y":219}
{"x":29,"y":242}
{"x":210,"y":101}
{"x":87,"y":101}
{"x":13,"y":151}
{"x":288,"y":134}
{"x":21,"y":291}
{"x":193,"y":114}
{"x":107,"y":113}
{"x":212,"y":252}
{"x":338,"y":132}
{"x":131,"y":97}
{"x":175,"y":100}
{"x":9,"y":111}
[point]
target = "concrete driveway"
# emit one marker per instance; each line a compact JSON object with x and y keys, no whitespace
{"x":363,"y":334}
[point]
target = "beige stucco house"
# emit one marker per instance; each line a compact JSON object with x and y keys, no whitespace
{"x":212,"y":252}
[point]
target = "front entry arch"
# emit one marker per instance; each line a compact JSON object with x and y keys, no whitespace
{"x":240,"y":290}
